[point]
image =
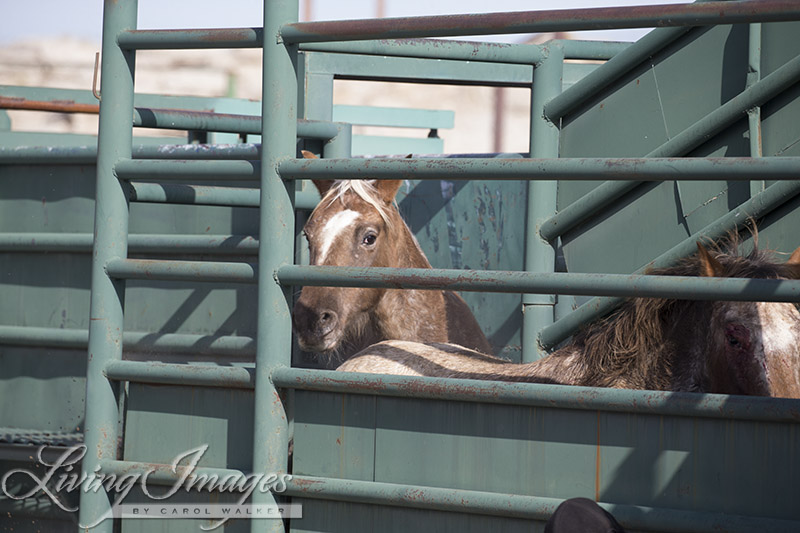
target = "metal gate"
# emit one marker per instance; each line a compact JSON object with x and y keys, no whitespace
{"x":379,"y":453}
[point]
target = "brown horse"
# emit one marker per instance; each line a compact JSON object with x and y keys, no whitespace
{"x":649,"y":343}
{"x":357,"y":224}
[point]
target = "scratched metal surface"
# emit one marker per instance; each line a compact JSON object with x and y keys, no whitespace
{"x":653,"y":103}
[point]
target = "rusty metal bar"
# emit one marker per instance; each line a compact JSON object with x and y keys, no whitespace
{"x":685,"y":404}
{"x":57,"y":106}
{"x":184,"y":375}
{"x":137,"y":243}
{"x":161,"y":170}
{"x":629,"y":285}
{"x":161,"y":474}
{"x":524,"y":54}
{"x":594,"y":169}
{"x":87,"y":155}
{"x":174,"y":193}
{"x":191,"y":39}
{"x":698,"y":14}
{"x":181,"y":270}
{"x":162,"y":343}
{"x":522,"y":506}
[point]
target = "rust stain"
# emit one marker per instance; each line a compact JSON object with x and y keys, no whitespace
{"x":597,"y":463}
{"x":58,"y":106}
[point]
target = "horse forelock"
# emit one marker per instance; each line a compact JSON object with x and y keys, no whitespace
{"x":366,"y":191}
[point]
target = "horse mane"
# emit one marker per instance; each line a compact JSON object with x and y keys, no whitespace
{"x":364,"y":189}
{"x":633,"y":341}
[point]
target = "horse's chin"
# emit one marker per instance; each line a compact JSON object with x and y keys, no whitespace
{"x":328,"y":345}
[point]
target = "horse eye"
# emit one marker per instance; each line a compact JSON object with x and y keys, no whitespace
{"x":369,"y":239}
{"x":733,"y":341}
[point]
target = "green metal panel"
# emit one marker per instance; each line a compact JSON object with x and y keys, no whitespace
{"x":649,"y":460}
{"x":715,"y":59}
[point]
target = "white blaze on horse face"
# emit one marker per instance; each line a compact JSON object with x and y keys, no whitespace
{"x":335,"y":225}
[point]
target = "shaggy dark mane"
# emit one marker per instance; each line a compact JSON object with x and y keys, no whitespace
{"x":641,"y":325}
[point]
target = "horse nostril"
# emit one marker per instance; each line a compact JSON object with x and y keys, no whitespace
{"x":327,"y":321}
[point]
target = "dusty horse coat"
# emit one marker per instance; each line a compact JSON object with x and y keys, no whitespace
{"x":661,"y":344}
{"x":357,"y":224}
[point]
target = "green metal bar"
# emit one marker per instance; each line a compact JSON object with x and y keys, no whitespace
{"x":190,"y":39}
{"x":701,"y":131}
{"x":157,"y":170}
{"x":594,"y":169}
{"x":629,"y":285}
{"x":596,"y":50}
{"x":524,"y":54}
{"x":181,"y":270}
{"x":698,"y":14}
{"x":540,"y":255}
{"x":597,"y":80}
{"x":161,"y":474}
{"x":193,"y":194}
{"x":274,"y":341}
{"x":659,"y":403}
{"x":536,"y":508}
{"x":137,"y":243}
{"x":184,"y":375}
{"x":87,"y":155}
{"x":161,"y":343}
{"x":178,"y":119}
{"x":754,"y":113}
{"x":111,"y":237}
{"x":771,"y":198}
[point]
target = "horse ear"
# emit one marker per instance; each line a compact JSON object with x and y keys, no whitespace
{"x":387,"y":189}
{"x":709,"y":267}
{"x":322,"y":185}
{"x":794,"y":259}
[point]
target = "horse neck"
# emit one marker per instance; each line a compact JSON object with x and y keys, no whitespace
{"x":411,"y":314}
{"x":407,"y":252}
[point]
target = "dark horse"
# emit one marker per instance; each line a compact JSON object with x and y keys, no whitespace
{"x":357,"y":224}
{"x":649,"y":343}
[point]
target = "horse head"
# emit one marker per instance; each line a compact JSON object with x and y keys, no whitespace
{"x":753,"y":347}
{"x":355,"y":224}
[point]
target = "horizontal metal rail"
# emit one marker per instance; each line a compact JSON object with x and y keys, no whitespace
{"x":158,"y":170}
{"x":163,"y":343}
{"x":87,"y":155}
{"x":182,"y":270}
{"x":693,"y":136}
{"x":137,"y":243}
{"x":184,"y":375}
{"x":523,"y":54}
{"x":520,"y":506}
{"x":191,"y":39}
{"x":658,"y":403}
{"x":698,"y":14}
{"x":178,"y":119}
{"x":193,"y":194}
{"x":629,"y":285}
{"x":161,"y":474}
{"x":762,"y":203}
{"x":593,"y":169}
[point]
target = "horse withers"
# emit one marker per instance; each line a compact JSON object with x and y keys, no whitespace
{"x":357,"y":224}
{"x":648,"y":343}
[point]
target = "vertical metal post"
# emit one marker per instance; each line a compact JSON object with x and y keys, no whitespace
{"x":111,"y":241}
{"x":754,"y":114}
{"x":538,"y":310}
{"x":276,"y":246}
